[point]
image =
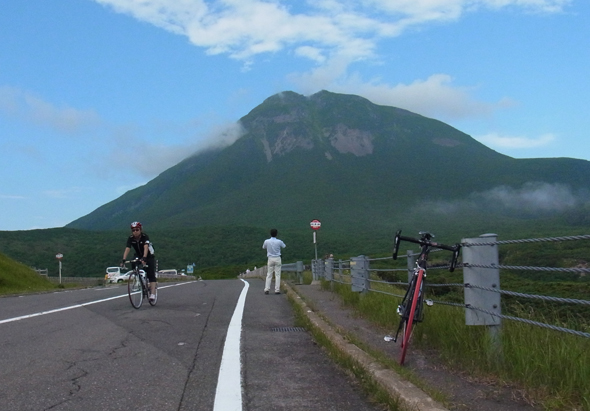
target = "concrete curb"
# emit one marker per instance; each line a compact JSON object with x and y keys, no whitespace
{"x":411,"y":397}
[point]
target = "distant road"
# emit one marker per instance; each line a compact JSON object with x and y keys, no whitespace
{"x":90,"y":350}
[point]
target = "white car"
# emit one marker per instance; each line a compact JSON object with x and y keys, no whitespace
{"x":119,"y":278}
{"x":168,"y":272}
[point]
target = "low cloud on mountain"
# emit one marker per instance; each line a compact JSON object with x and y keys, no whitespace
{"x":530,"y":198}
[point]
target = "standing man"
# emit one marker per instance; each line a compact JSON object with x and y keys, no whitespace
{"x":140,"y":242}
{"x":273,"y":251}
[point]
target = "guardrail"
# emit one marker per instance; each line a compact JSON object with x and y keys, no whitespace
{"x":297,"y":268}
{"x":481,"y":280}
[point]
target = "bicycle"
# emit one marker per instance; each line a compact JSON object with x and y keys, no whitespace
{"x":412,"y":304}
{"x":138,"y":286}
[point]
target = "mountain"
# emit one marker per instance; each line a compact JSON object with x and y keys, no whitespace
{"x":350,"y":163}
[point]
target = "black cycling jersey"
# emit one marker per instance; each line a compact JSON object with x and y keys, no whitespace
{"x":138,"y":244}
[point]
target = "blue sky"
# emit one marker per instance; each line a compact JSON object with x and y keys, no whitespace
{"x":98,"y":97}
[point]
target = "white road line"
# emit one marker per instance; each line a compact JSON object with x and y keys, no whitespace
{"x":228,"y":396}
{"x":24,"y":317}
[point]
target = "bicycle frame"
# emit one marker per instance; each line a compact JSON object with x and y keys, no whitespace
{"x":413,"y":302}
{"x":138,"y":287}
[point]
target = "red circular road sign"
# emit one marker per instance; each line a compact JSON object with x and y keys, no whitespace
{"x":315,"y":224}
{"x":59,"y":256}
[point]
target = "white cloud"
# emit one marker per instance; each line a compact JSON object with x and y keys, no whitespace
{"x":153,"y":159}
{"x":69,"y":192}
{"x":244,"y":28}
{"x":11,"y":197}
{"x":434,"y":97}
{"x":333,"y":34}
{"x":25,"y":106}
{"x":312,"y":53}
{"x":531,"y":197}
{"x":515,"y":142}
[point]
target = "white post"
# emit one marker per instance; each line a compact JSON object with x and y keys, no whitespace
{"x":483,"y":255}
{"x":315,"y":245}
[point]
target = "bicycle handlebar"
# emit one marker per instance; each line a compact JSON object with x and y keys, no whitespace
{"x":136,"y":260}
{"x":425,"y":241}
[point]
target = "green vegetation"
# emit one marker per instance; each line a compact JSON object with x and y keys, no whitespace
{"x":365,"y":171}
{"x":370,"y":387}
{"x":17,"y":278}
{"x":551,"y":366}
{"x":352,"y":164}
{"x":229,"y":250}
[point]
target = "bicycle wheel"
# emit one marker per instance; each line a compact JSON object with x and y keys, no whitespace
{"x":135,"y":290}
{"x":155,"y":300}
{"x":410,"y":319}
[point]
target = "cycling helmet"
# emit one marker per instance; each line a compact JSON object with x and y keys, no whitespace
{"x":136,"y":224}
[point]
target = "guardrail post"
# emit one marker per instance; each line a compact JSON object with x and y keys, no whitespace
{"x":299,"y":269}
{"x":317,"y":270}
{"x":483,"y":277}
{"x":330,"y":272}
{"x":359,"y":272}
{"x":329,"y":269}
{"x":411,"y":264}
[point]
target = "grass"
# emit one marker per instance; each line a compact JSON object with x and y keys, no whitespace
{"x":369,"y":386}
{"x":552,"y":367}
{"x":18,"y":278}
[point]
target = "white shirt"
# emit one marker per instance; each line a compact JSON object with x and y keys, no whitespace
{"x":273,"y":247}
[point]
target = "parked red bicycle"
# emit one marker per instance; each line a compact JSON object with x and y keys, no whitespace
{"x":411,"y":308}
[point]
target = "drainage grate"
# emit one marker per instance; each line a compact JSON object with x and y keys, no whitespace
{"x":287,"y":329}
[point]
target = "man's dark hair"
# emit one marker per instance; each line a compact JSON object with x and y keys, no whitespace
{"x":273,"y":232}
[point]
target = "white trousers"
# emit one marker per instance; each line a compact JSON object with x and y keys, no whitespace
{"x":274,"y":265}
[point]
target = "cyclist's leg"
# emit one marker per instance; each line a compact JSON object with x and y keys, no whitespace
{"x":150,"y":271}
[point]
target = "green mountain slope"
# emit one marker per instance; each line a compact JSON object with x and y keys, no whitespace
{"x":16,"y":277}
{"x":339,"y":158}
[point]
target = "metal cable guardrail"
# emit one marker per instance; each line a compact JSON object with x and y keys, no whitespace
{"x":528,"y":268}
{"x":531,"y":322}
{"x":529,"y":240}
{"x":532,"y":296}
{"x":350,"y":279}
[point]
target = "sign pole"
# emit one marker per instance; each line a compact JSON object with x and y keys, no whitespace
{"x":315,"y":244}
{"x":59,"y":256}
{"x":315,"y":225}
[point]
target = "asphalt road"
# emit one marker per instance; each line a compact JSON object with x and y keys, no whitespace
{"x":90,"y":350}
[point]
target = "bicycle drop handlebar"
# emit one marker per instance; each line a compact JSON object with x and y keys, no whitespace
{"x":135,"y":260}
{"x":425,"y":241}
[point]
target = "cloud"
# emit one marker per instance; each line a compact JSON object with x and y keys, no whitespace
{"x":515,"y":142}
{"x":332,"y":35}
{"x":64,"y":193}
{"x":245,"y":28}
{"x":11,"y":197}
{"x":151,"y":159}
{"x":25,"y":106}
{"x":531,"y":197}
{"x":435,"y":96}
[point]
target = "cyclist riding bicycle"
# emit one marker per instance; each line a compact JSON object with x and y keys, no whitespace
{"x":140,"y":242}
